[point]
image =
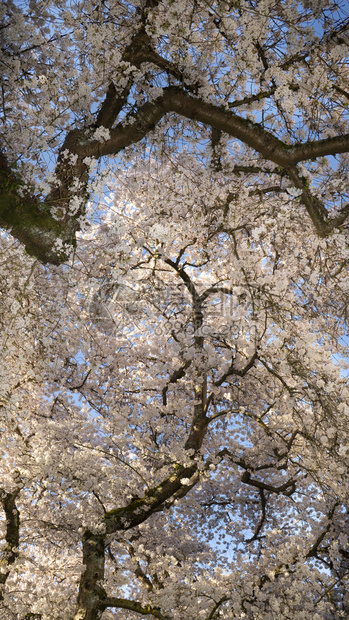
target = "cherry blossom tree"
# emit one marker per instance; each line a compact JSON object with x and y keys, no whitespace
{"x":174,"y":399}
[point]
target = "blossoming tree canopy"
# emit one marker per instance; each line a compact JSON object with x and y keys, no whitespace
{"x":261,"y":86}
{"x":174,"y":412}
{"x":173,"y":397}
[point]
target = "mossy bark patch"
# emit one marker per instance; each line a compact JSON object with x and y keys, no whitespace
{"x":30,"y":221}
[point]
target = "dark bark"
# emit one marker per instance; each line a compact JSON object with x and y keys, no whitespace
{"x":30,"y":220}
{"x":10,"y":553}
{"x":92,"y":598}
{"x":91,"y":592}
{"x":144,"y":610}
{"x":157,"y":498}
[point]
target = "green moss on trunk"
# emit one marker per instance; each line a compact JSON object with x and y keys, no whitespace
{"x":30,"y":221}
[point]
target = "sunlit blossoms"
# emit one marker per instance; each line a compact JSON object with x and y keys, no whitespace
{"x":174,"y":397}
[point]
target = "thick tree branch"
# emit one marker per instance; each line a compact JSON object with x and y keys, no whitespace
{"x":159,"y":497}
{"x":141,"y":50}
{"x":92,"y":599}
{"x":287,"y":488}
{"x":253,"y":134}
{"x":122,"y":603}
{"x":111,"y":106}
{"x":313,"y":205}
{"x":174,"y":99}
{"x":72,"y":174}
{"x":30,"y":220}
{"x":318,"y":148}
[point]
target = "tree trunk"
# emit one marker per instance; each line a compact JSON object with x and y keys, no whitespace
{"x":90,"y":592}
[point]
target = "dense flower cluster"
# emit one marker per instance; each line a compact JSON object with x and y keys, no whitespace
{"x":174,"y":400}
